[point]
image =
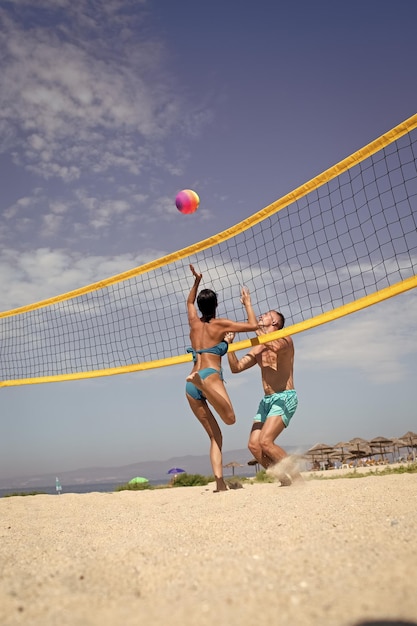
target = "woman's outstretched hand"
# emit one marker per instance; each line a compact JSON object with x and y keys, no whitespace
{"x":196,"y":275}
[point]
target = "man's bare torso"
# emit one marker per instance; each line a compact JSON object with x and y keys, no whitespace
{"x":277,"y":366}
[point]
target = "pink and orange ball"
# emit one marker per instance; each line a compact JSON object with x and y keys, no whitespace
{"x":187,"y":201}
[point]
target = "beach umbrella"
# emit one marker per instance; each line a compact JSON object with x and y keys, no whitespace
{"x":254,"y":462}
{"x":397,"y":444}
{"x":320,"y":451}
{"x":357,"y":443}
{"x":337,"y":455}
{"x":138,"y":480}
{"x":174,"y":471}
{"x":410,"y":438}
{"x":382,"y":443}
{"x":360,"y":451}
{"x":233,"y":464}
{"x":320,"y":447}
{"x":342,"y":446}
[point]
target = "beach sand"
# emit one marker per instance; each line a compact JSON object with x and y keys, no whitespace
{"x":323,"y":552}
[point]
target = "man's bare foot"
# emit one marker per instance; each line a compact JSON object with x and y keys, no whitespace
{"x":285,"y":480}
{"x":194,"y":378}
{"x":287,"y":471}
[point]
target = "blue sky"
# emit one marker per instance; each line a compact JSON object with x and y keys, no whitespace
{"x":107,"y":110}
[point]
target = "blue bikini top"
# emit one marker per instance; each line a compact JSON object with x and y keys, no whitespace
{"x":220,"y":350}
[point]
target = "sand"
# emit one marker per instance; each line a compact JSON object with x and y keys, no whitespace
{"x":325,"y":552}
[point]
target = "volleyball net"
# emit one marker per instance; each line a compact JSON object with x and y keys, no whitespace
{"x":345,"y":240}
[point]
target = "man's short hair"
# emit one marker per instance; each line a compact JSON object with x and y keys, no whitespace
{"x":281,"y":319}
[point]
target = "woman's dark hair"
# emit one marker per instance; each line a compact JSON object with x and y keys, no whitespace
{"x":207,"y":303}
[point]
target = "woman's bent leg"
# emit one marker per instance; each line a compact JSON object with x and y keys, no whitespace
{"x":214,"y":390}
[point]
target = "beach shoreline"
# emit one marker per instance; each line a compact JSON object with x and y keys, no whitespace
{"x":328,"y":552}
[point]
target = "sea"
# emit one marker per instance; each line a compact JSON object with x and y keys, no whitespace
{"x":79,"y":488}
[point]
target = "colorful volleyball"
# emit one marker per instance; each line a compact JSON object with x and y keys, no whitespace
{"x":187,"y":201}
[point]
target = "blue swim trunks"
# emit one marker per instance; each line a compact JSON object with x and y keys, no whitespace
{"x":193,"y":391}
{"x":283,"y":403}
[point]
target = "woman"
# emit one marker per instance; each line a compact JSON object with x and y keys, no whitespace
{"x":205,"y":383}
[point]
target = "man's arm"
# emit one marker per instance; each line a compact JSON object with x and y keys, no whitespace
{"x":240,"y":365}
{"x":247,"y":361}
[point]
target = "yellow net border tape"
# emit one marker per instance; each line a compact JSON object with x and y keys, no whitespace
{"x":346,"y":309}
{"x":373,"y":147}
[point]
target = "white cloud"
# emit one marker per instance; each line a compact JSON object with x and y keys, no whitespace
{"x":88,"y":107}
{"x":43,"y":273}
{"x":51,"y":224}
{"x":73,"y":103}
{"x":58,"y":207}
{"x":15,"y":208}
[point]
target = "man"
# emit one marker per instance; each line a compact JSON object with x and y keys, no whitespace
{"x":276,"y":360}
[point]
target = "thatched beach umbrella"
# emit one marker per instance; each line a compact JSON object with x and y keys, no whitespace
{"x":319,"y":452}
{"x":254,"y":462}
{"x":342,"y":446}
{"x":382,"y":443}
{"x":320,"y":448}
{"x":397,"y":444}
{"x":337,"y":455}
{"x":356,"y":443}
{"x":359,"y":452}
{"x":410,"y":438}
{"x":233,"y":464}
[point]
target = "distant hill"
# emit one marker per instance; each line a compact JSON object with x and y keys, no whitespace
{"x":153,"y":470}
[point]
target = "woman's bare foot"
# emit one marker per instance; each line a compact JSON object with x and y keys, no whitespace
{"x":220,"y":485}
{"x":194,"y":378}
